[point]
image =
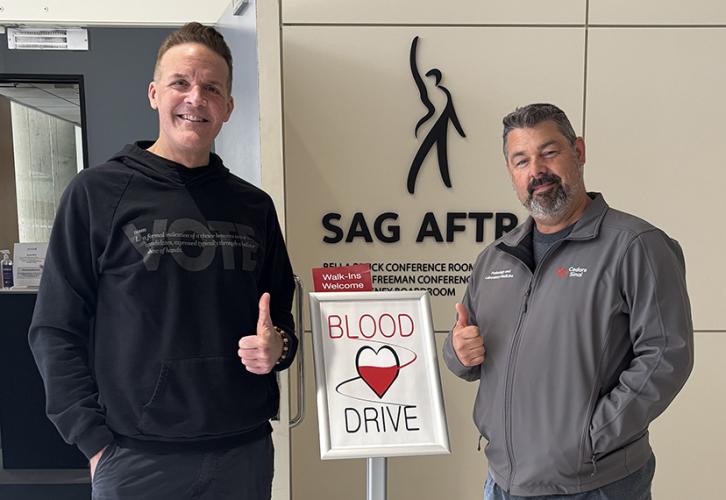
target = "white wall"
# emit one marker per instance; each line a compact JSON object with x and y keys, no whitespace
{"x":111,"y":13}
{"x":238,"y":144}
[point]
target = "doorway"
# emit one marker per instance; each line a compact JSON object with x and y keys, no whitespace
{"x":42,"y":146}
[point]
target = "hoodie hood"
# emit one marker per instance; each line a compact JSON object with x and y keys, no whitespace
{"x":137,"y":157}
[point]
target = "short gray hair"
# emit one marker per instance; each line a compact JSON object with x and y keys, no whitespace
{"x":533,"y":114}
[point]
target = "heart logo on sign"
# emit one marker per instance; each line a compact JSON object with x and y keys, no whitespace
{"x":378,"y":369}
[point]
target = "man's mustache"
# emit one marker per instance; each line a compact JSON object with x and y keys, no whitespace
{"x":544,"y":179}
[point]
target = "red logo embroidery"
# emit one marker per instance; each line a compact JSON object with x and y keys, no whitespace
{"x":562,"y":272}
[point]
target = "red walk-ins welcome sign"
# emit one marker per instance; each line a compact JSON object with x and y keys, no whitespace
{"x":356,"y":278}
{"x":378,"y":386}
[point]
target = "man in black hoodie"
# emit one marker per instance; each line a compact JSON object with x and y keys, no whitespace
{"x":164,"y":308}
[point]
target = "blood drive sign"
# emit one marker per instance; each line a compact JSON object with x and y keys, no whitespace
{"x":378,"y":386}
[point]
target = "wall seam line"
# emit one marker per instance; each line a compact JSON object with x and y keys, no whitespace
{"x":282,"y":129}
{"x":430,"y":25}
{"x":584,"y":82}
{"x":503,"y":25}
{"x":658,"y":26}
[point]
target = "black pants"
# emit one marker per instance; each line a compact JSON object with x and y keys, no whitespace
{"x":242,"y":473}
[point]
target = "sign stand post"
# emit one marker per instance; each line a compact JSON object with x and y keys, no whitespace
{"x":377,"y":377}
{"x":376,"y":478}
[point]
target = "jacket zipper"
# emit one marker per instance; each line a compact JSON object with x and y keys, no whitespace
{"x":509,"y":381}
{"x":508,"y":384}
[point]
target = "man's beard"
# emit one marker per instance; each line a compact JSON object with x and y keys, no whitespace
{"x":550,"y":204}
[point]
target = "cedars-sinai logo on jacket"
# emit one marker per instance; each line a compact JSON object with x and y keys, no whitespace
{"x":570,"y":272}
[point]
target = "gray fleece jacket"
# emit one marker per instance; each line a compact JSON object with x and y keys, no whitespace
{"x":582,"y":353}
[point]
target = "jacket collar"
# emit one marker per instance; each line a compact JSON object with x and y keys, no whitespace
{"x":588,"y":227}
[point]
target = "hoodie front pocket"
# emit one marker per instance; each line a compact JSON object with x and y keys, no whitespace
{"x":209,"y":396}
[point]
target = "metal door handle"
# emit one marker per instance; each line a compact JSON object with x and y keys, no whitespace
{"x":299,"y":298}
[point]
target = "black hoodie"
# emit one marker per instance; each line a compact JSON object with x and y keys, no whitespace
{"x":153,"y":273}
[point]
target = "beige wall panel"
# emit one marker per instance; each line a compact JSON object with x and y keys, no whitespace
{"x":350,"y":107}
{"x":266,"y":26}
{"x":655,"y":12}
{"x":689,"y":438}
{"x":434,"y":12}
{"x":654,"y":122}
{"x":270,"y":90}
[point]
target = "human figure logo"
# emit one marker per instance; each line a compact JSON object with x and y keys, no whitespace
{"x":437,"y":135}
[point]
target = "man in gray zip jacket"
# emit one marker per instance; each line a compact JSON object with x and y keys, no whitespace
{"x":576,"y":324}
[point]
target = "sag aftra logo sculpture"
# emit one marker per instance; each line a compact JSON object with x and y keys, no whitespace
{"x":437,"y":135}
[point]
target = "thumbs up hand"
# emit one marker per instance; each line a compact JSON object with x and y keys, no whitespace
{"x":260,"y":352}
{"x":467,"y":341}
